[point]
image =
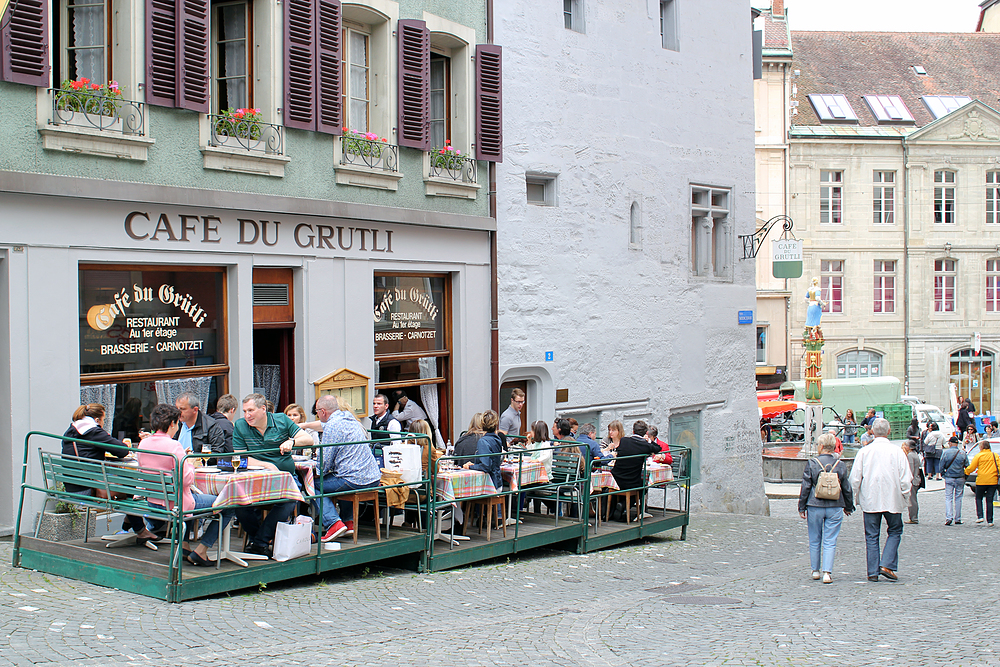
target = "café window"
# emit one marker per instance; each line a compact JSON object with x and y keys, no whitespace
{"x":413,"y":343}
{"x":147,"y":334}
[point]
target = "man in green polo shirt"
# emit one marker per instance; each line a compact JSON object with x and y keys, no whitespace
{"x":262,"y":430}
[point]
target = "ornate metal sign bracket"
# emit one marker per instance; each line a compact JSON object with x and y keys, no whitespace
{"x":752,"y":242}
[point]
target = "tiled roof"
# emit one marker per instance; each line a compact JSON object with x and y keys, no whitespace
{"x":855,"y":64}
{"x":775,"y":31}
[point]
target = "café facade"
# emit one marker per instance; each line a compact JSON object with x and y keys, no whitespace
{"x":127,"y":294}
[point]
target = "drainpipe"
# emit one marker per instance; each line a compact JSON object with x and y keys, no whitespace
{"x":494,"y":290}
{"x":906,"y":266}
{"x":784,"y":175}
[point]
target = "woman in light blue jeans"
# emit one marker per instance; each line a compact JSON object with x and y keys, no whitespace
{"x":824,"y":516}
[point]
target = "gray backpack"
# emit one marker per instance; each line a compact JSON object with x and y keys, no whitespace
{"x":828,"y":483}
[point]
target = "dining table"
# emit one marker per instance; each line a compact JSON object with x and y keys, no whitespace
{"x":455,"y":484}
{"x":255,"y":485}
{"x":532,"y":471}
{"x":656,"y":474}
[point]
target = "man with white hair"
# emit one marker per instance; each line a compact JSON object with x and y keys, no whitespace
{"x":881,"y":481}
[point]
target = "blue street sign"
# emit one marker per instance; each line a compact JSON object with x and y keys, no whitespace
{"x":550,"y":356}
{"x":746,"y":317}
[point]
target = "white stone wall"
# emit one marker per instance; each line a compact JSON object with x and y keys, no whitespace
{"x":619,"y":119}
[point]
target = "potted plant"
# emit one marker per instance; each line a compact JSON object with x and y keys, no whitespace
{"x":64,"y":522}
{"x":239,"y":123}
{"x":364,"y":144}
{"x":447,"y":157}
{"x":101,"y":103}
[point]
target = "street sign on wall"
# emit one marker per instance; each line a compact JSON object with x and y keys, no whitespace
{"x":786,"y":258}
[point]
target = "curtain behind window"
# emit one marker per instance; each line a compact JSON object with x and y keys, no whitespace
{"x":88,"y":41}
{"x":105,"y":395}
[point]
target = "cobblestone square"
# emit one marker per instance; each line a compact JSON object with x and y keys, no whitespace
{"x":737,"y":592}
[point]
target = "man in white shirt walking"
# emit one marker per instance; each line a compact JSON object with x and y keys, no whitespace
{"x":881,"y":480}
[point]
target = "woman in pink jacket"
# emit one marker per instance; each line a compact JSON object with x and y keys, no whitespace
{"x":159,"y":452}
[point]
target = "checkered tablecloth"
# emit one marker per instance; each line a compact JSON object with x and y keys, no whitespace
{"x":532,"y":472}
{"x":307,"y":472}
{"x":656,"y":473}
{"x":454,"y":484}
{"x":246,"y":488}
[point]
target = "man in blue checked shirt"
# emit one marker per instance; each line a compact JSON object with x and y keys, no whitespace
{"x":345,"y":467}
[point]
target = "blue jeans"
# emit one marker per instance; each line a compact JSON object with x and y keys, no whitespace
{"x":328,"y":508}
{"x":203,"y":501}
{"x":954,"y":487}
{"x":824,"y":528}
{"x":889,"y":557}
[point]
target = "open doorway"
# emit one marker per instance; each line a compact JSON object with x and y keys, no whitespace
{"x":274,"y":336}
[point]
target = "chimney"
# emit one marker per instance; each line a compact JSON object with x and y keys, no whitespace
{"x":777,"y":7}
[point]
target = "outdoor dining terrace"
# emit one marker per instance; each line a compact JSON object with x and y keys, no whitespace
{"x":563,"y":507}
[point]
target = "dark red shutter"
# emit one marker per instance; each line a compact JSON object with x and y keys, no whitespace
{"x":161,"y":52}
{"x":300,"y":65}
{"x":329,"y":114}
{"x":193,"y":38}
{"x":24,"y":42}
{"x":414,"y":84}
{"x":489,"y":103}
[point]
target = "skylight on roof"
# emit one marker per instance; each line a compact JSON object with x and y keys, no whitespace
{"x":833,"y":109}
{"x":888,"y":109}
{"x":942,"y":105}
{"x":920,"y":70}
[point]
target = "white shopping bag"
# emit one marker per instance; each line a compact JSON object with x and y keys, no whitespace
{"x":405,"y":459}
{"x":292,"y":540}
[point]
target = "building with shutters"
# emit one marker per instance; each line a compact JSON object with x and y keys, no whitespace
{"x":239,"y":195}
{"x":887,"y":163}
{"x":626,"y":182}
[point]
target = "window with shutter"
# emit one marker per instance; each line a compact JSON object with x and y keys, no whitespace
{"x":489,"y":103}
{"x":414,"y":84}
{"x":24,"y":43}
{"x":177,"y":64}
{"x":161,"y":52}
{"x":312,"y":65}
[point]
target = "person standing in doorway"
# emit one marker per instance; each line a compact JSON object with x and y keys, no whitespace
{"x":406,"y":410}
{"x":510,"y":420}
{"x":953,"y":463}
{"x":880,"y":479}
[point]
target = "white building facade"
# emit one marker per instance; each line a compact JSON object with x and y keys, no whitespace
{"x":626,"y":182}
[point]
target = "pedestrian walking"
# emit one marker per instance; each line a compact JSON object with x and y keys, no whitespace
{"x":985,"y":465}
{"x":913,"y":459}
{"x":953,"y":463}
{"x":880,"y":480}
{"x":934,"y":446}
{"x":824,"y":515}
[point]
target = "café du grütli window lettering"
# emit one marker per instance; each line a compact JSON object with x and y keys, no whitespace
{"x":150,"y":319}
{"x":409,"y":314}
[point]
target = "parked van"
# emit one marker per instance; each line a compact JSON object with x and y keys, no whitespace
{"x":925,"y":413}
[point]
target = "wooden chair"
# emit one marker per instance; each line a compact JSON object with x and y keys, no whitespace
{"x":488,"y":505}
{"x":358,"y":497}
{"x":628,"y":503}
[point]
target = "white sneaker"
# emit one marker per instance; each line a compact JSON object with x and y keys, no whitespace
{"x":827,"y":579}
{"x":815,"y":574}
{"x":980,"y":520}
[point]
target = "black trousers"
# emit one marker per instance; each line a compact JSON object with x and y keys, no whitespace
{"x":260,"y":530}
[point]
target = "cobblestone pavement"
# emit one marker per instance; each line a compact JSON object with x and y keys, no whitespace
{"x":737,"y":592}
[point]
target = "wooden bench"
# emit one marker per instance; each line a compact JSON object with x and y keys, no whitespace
{"x":132,"y":486}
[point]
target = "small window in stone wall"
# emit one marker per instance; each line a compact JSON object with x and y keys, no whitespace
{"x":635,"y":226}
{"x":540,"y":188}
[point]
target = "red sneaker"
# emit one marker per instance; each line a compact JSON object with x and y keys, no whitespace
{"x":334,"y":531}
{"x":350,"y":527}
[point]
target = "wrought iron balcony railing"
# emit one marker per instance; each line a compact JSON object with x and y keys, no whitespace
{"x":246,"y":134}
{"x":359,"y":151}
{"x":97,"y":110}
{"x":461,"y":168}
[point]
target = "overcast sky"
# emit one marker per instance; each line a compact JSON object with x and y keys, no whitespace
{"x":882,"y":15}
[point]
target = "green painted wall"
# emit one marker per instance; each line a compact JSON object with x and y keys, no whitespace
{"x":175,"y":158}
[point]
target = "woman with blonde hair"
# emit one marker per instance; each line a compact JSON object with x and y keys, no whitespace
{"x":466,"y":445}
{"x":824,"y":515}
{"x":297,"y":414}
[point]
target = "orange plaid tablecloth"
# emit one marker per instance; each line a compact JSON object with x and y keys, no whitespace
{"x":307,"y":471}
{"x":656,"y":473}
{"x":532,"y":472}
{"x":454,"y":484}
{"x":245,"y":488}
